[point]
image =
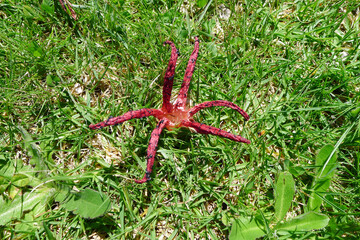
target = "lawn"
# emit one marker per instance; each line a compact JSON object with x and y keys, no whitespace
{"x":292,"y":66}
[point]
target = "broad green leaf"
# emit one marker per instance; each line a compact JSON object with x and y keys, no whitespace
{"x":284,"y":193}
{"x":201,"y":3}
{"x":305,"y":222}
{"x":315,"y":199}
{"x":13,"y":191}
{"x":62,"y":194}
{"x":355,"y":112}
{"x":327,"y":161}
{"x":4,"y":183}
{"x":2,"y":201}
{"x":247,"y":229}
{"x":20,"y":180}
{"x":7,"y":169}
{"x":35,"y":49}
{"x":27,"y":222}
{"x":89,"y":204}
{"x":226,"y":219}
{"x":49,"y":81}
{"x":25,"y":203}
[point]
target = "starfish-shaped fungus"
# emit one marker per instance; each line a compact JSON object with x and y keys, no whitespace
{"x":177,"y":114}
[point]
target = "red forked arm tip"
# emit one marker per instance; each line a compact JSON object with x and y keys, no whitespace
{"x":218,"y":103}
{"x":145,"y":112}
{"x":206,"y":129}
{"x":182,"y":97}
{"x":169,"y":76}
{"x":151,"y":151}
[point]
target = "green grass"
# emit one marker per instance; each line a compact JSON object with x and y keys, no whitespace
{"x":294,"y":67}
